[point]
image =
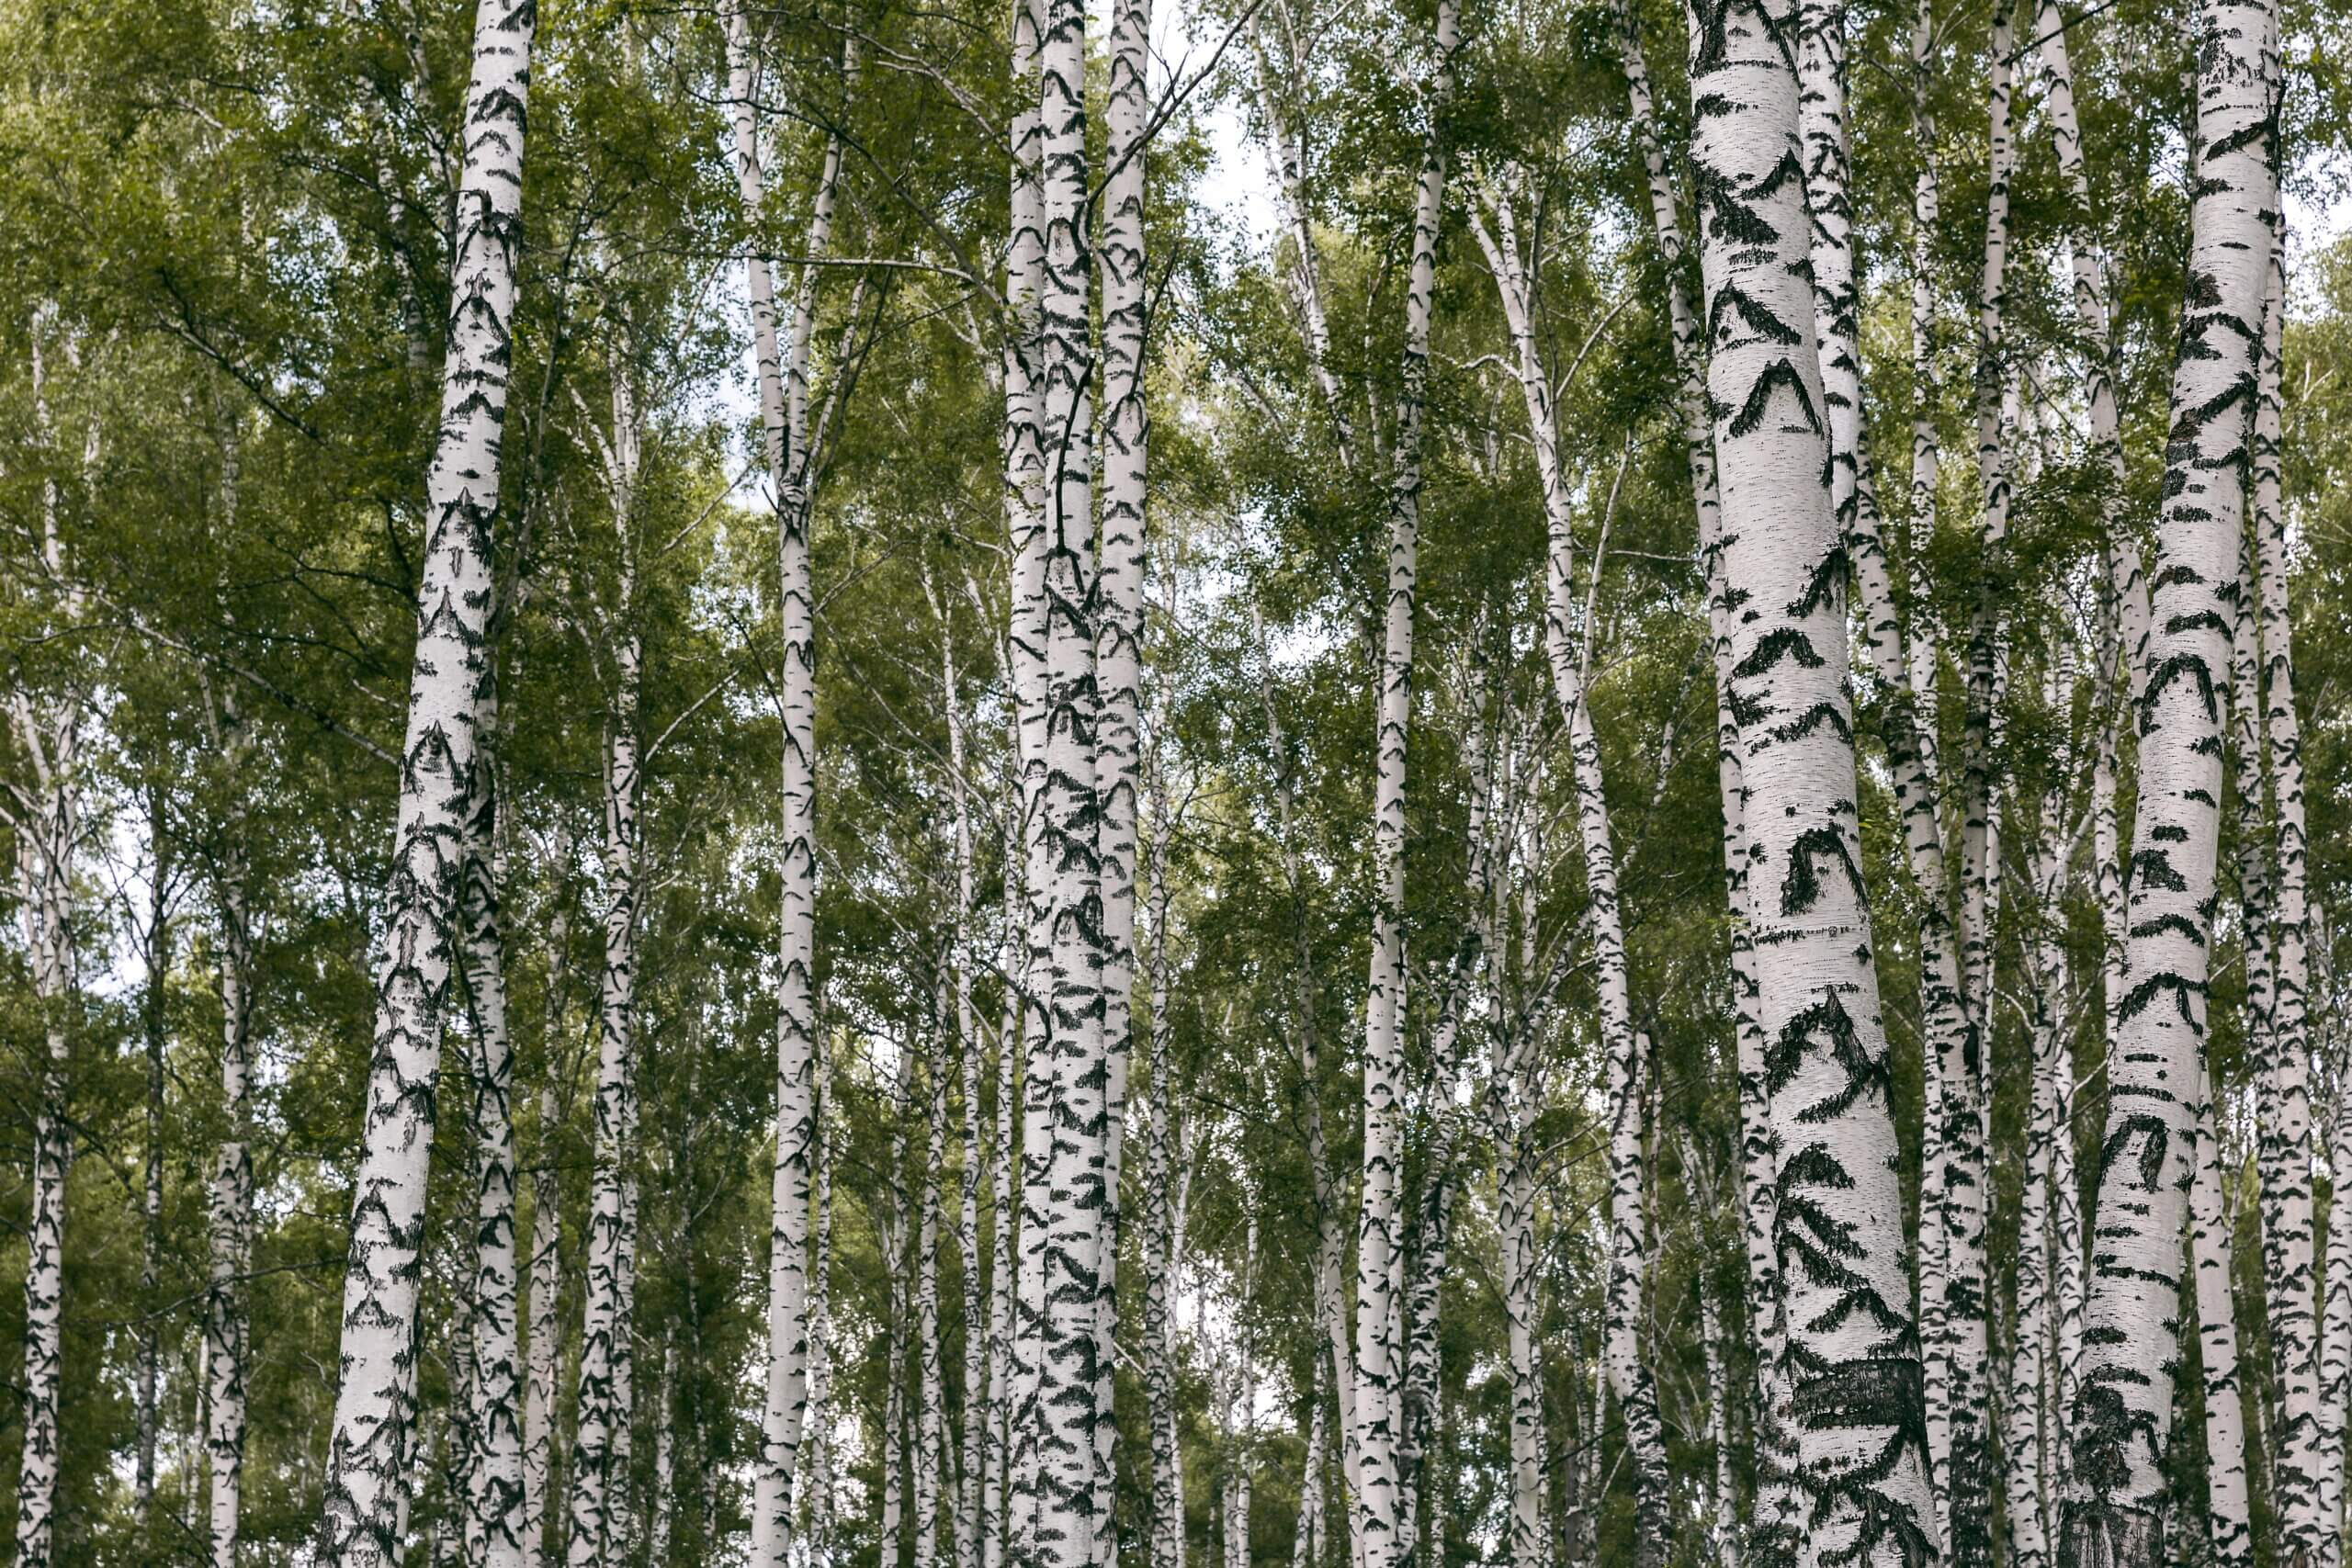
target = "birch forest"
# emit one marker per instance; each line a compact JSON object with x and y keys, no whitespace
{"x":1018,"y":783}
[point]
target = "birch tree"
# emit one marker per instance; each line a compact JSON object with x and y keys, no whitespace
{"x":365,"y":1483}
{"x":1851,"y":1345}
{"x":1379,"y":1393}
{"x":2120,"y":1425}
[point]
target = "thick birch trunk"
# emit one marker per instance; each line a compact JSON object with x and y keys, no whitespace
{"x":1380,"y":1411}
{"x":1774,"y":1519}
{"x":365,"y":1482}
{"x":1854,"y":1369}
{"x":2121,"y":1425}
{"x":1004,"y":1194}
{"x":1065,"y":1130}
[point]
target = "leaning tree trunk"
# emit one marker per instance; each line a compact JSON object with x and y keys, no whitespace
{"x":1851,"y":1346}
{"x":2120,"y":1427}
{"x":783,"y":402}
{"x":1379,"y":1408}
{"x":365,"y":1480}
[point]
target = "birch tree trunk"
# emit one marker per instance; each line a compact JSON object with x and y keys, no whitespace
{"x":1855,"y":1375}
{"x":495,"y":1520}
{"x":1065,"y":1130}
{"x":155,"y":944}
{"x":783,"y":404}
{"x":605,"y":1346}
{"x":365,"y":1482}
{"x":546,"y":1220}
{"x":974,"y":1437}
{"x":2301,"y":1468}
{"x":229,"y":1210}
{"x":1566,"y":648}
{"x":1118,"y":637}
{"x":1286,"y":162}
{"x":1380,"y":1410}
{"x":2335,"y":1327}
{"x":2024,"y":1446}
{"x":1774,"y":1521}
{"x":931,"y":1423}
{"x":2098,"y":349}
{"x":1331,"y":1244}
{"x":2229,"y":1527}
{"x":2120,"y":1425}
{"x":1164,"y":1228}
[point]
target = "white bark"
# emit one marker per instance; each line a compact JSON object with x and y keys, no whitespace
{"x":1774,"y":1518}
{"x":546,"y":1223}
{"x":1164,"y":1231}
{"x":495,"y":1525}
{"x":1118,"y":637}
{"x":2282,"y":1055}
{"x":1568,"y":652}
{"x":783,"y":393}
{"x":1380,"y":1411}
{"x":597,"y":1506}
{"x":1065,"y":1130}
{"x":2026,"y":1415}
{"x":2120,"y":1429}
{"x":2128,"y":588}
{"x":930,"y":1421}
{"x":2335,"y":1326}
{"x":365,"y":1482}
{"x":2229,"y":1527}
{"x":1855,"y":1375}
